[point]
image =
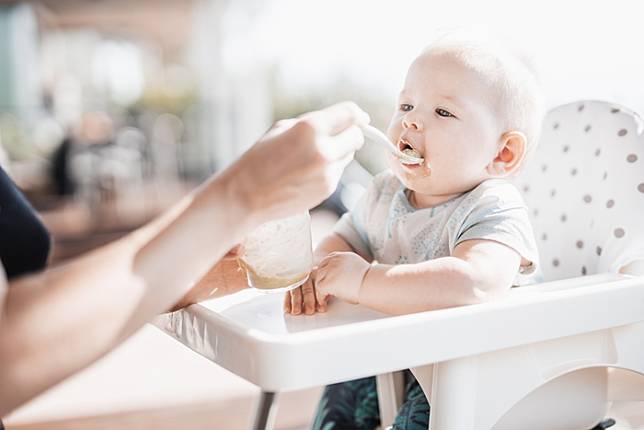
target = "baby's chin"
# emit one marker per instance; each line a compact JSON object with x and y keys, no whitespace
{"x":411,"y":176}
{"x":413,"y":180}
{"x":424,"y":181}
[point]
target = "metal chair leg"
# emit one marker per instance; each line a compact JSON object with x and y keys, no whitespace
{"x":265,"y":412}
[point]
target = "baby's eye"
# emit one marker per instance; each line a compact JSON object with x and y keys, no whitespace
{"x":406,"y":107}
{"x":443,"y":112}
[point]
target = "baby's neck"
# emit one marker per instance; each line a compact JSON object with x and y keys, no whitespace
{"x":424,"y":201}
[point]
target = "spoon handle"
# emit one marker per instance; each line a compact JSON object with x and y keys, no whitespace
{"x":372,"y":134}
{"x":376,"y":136}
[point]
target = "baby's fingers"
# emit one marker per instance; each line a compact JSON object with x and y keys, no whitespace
{"x":321,"y":303}
{"x":321,"y":299}
{"x":308,"y":296}
{"x":287,"y":302}
{"x":296,"y":301}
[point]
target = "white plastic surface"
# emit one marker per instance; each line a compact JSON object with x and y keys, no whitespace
{"x":249,"y":334}
{"x":485,"y":366}
{"x":585,"y":189}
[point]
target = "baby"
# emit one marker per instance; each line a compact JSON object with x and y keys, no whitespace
{"x":451,"y":231}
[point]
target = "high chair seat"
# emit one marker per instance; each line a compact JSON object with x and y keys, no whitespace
{"x":535,"y":359}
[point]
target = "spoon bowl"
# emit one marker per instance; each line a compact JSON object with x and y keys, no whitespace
{"x":372,"y":134}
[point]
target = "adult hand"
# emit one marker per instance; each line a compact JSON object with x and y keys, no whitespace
{"x":226,"y":277}
{"x":298,"y":162}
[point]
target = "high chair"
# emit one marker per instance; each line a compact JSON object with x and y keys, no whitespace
{"x":537,"y":359}
{"x":585,"y":190}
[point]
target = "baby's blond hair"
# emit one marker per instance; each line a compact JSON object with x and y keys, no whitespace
{"x":520,"y":102}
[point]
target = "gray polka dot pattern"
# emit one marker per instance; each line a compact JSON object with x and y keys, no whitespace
{"x":586,"y":184}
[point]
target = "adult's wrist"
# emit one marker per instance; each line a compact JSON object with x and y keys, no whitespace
{"x":229,"y":203}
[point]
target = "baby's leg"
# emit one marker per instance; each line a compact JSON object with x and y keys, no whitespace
{"x":348,"y":405}
{"x":414,"y":413}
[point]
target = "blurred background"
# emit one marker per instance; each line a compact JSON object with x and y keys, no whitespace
{"x":110,"y":110}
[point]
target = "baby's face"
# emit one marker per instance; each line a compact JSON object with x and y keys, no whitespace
{"x":446,"y":113}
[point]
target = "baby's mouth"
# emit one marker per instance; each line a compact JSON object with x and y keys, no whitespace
{"x":406,"y":147}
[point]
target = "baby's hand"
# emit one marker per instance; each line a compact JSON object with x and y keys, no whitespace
{"x":340,"y":274}
{"x":303,"y":299}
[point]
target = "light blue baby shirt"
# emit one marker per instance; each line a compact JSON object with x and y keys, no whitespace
{"x":386,"y":227}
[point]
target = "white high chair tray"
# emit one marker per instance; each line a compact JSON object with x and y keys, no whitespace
{"x":249,"y":334}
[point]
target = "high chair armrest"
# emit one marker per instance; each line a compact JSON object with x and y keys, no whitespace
{"x":250,"y":336}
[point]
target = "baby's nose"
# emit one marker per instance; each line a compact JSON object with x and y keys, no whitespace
{"x":411,"y":123}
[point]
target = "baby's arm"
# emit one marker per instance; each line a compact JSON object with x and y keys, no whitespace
{"x":303,"y":298}
{"x":476,"y":271}
{"x":331,"y":243}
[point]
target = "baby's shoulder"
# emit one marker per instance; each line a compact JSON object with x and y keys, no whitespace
{"x":490,"y":197}
{"x":494,"y":191}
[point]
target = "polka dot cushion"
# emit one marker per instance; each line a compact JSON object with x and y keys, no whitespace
{"x":585,"y":189}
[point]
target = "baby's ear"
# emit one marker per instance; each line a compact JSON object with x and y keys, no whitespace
{"x":512,"y":151}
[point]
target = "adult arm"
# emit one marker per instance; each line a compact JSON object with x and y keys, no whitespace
{"x":54,"y":323}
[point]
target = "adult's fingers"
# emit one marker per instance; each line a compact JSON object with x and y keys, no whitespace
{"x":334,"y":171}
{"x":235,"y":252}
{"x":336,"y":118}
{"x":342,"y":144}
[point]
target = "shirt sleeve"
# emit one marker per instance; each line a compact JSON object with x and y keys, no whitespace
{"x":352,"y":227}
{"x":500,"y":214}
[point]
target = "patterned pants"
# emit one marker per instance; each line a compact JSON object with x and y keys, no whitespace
{"x":353,"y":405}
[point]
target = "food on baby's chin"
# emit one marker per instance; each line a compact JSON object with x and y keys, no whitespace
{"x":271,"y":282}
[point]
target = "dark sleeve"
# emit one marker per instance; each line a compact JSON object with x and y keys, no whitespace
{"x":24,"y":241}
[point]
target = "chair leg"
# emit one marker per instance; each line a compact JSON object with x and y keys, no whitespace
{"x":265,"y":412}
{"x":604,"y":424}
{"x":451,"y":392}
{"x":390,"y":396}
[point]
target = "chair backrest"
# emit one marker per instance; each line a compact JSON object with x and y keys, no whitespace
{"x":585,"y":189}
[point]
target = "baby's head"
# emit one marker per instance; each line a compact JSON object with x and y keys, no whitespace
{"x":472,"y":111}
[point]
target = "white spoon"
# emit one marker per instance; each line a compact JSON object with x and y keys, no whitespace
{"x":372,"y":134}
